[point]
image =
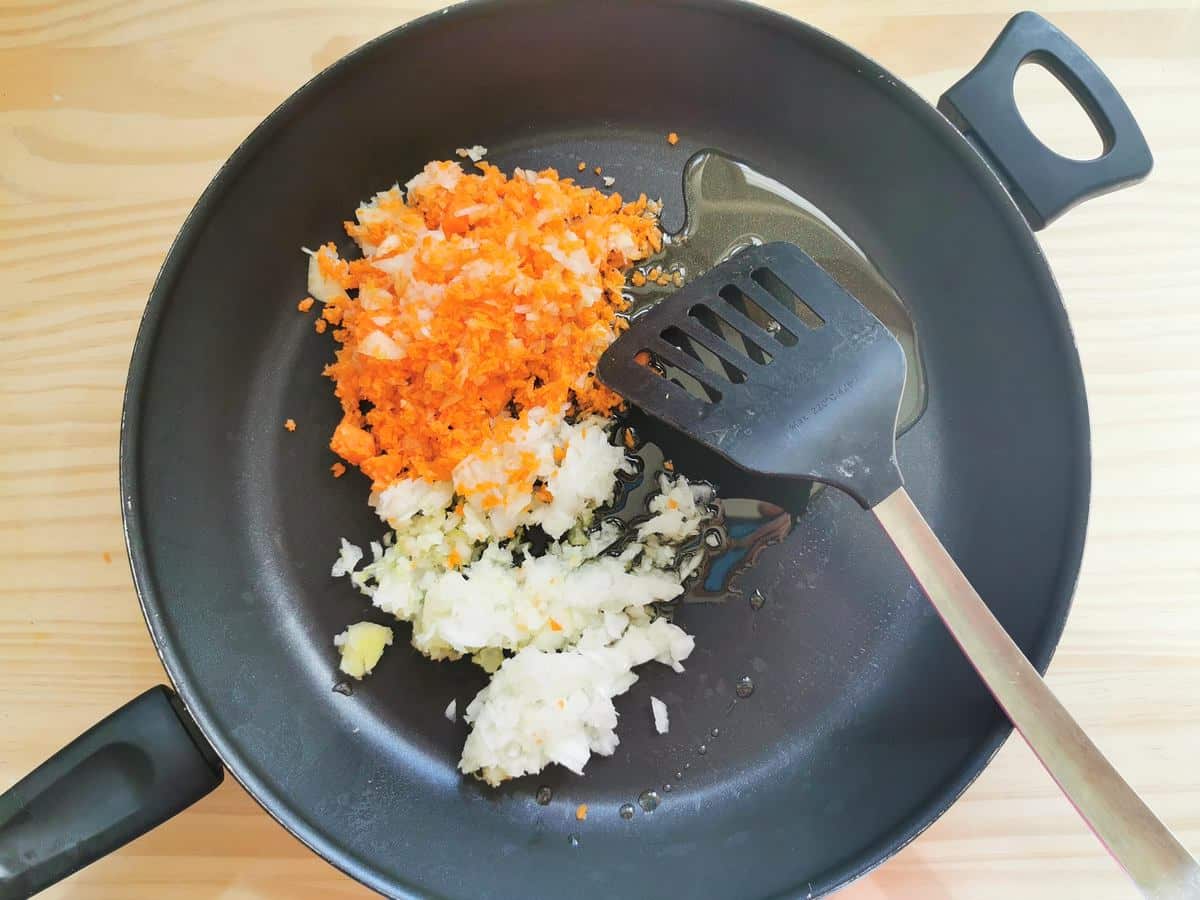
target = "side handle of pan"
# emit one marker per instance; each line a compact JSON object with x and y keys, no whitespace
{"x":132,"y":771}
{"x":1043,"y":183}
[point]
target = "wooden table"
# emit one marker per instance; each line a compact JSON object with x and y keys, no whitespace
{"x":115,"y":115}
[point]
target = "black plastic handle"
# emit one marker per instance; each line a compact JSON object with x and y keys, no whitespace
{"x":1043,"y":183}
{"x":132,"y":771}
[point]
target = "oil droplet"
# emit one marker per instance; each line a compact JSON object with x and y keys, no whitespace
{"x":744,"y":687}
{"x":626,"y":811}
{"x":648,"y":801}
{"x":344,"y":688}
{"x":757,"y":600}
{"x":702,"y":749}
{"x":678,"y":776}
{"x":667,"y":788}
{"x":573,"y":840}
{"x":686,"y":766}
{"x":544,"y":795}
{"x":715,"y":732}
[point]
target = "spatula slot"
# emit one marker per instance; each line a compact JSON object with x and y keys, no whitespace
{"x":706,"y":355}
{"x":694,"y":386}
{"x":736,"y":368}
{"x":737,"y":298}
{"x":774,"y":285}
{"x":729,"y":334}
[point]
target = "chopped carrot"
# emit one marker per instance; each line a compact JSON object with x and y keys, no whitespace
{"x":630,"y":438}
{"x":453,"y":560}
{"x":581,"y":812}
{"x":432,"y":366}
{"x":554,"y":625}
{"x":305,"y":305}
{"x":672,"y":503}
{"x":642,"y":357}
{"x":320,"y":325}
{"x":668,"y":465}
{"x":290,"y":424}
{"x":582,"y":166}
{"x":560,"y":453}
{"x":598,"y":170}
{"x":672,"y":139}
{"x":338,"y":470}
{"x":331,"y":268}
{"x":352,"y":443}
{"x":637,"y":279}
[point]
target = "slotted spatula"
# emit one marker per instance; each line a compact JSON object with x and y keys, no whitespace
{"x":766,"y":360}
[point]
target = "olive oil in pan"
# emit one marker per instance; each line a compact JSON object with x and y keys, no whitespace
{"x":739,"y":529}
{"x":730,"y":206}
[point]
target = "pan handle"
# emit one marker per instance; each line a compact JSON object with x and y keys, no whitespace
{"x":120,"y":778}
{"x":1043,"y":183}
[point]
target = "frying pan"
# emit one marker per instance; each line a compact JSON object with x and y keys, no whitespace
{"x":866,"y":721}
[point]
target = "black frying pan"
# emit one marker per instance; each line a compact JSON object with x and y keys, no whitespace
{"x":866,"y":722}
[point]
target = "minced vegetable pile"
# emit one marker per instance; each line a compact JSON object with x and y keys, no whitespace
{"x":468,"y":336}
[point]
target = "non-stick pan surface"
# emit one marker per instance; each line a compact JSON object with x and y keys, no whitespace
{"x":865,"y":723}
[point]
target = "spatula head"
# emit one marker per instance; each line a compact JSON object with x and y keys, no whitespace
{"x":766,"y":360}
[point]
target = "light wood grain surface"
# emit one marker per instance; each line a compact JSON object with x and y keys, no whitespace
{"x":114,"y":115}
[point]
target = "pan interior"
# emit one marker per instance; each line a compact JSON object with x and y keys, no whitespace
{"x":864,"y":721}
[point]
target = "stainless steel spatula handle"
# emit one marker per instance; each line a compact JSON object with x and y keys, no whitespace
{"x":1158,"y":864}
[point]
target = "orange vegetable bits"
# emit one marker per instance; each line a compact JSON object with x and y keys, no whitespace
{"x":353,"y":444}
{"x":672,"y":138}
{"x":290,"y":424}
{"x":479,"y":298}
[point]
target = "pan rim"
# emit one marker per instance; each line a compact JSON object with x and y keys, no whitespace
{"x":191,"y":691}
